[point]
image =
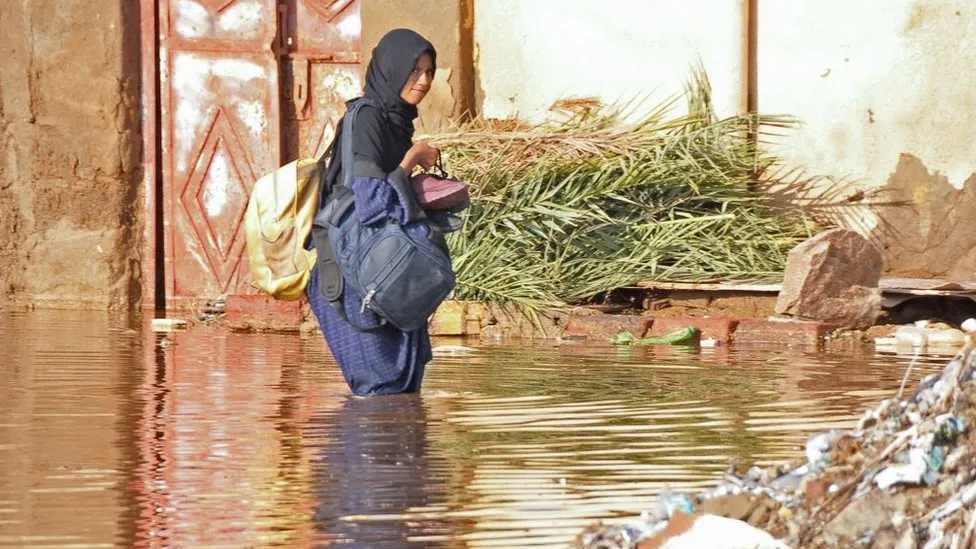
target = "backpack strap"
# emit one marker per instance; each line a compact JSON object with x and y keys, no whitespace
{"x":331,"y":283}
{"x":346,"y":139}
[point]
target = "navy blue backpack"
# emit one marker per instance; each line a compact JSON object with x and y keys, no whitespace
{"x":401,"y":272}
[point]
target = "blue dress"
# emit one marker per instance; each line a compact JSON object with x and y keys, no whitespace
{"x":387,"y":360}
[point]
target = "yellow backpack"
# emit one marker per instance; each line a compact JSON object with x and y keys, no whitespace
{"x":278,"y":221}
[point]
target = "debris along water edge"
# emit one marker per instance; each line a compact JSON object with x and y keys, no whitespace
{"x":904,"y":477}
{"x":684,"y":336}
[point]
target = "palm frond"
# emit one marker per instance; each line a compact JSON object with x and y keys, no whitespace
{"x":565,"y":210}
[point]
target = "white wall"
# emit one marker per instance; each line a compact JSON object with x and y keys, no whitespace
{"x":530,"y":53}
{"x":872,"y":79}
{"x":869,"y":79}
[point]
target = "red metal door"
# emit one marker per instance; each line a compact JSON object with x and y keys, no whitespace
{"x":321,"y":54}
{"x":220,"y":131}
{"x":221,"y":125}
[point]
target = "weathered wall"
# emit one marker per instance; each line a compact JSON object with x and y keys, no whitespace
{"x":872,"y":79}
{"x":884,"y":89}
{"x":69,"y":114}
{"x":531,"y":53}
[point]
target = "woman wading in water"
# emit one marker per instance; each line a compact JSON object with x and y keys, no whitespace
{"x":400,"y":73}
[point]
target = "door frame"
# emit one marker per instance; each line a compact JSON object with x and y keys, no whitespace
{"x":155,"y":266}
{"x":153,"y":295}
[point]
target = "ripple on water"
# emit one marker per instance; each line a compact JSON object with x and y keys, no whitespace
{"x":219,"y":439}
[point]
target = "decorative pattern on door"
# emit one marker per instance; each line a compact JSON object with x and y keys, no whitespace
{"x":245,"y":86}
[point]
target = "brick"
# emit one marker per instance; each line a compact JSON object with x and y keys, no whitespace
{"x":792,"y":332}
{"x":474,"y":315}
{"x":602,"y":327}
{"x":448,"y":320}
{"x":261,"y":308}
{"x":472,"y":327}
{"x":717,"y":328}
{"x":499,"y":321}
{"x":457,"y":318}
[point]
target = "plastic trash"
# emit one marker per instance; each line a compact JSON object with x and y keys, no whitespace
{"x":168,"y":324}
{"x":755,"y":474}
{"x":949,"y":428}
{"x":910,"y":473}
{"x":950,"y":337}
{"x":673,"y":502}
{"x":923,"y":336}
{"x":727,"y":533}
{"x":920,"y":440}
{"x":687,"y":335}
{"x":818,"y":447}
{"x":911,"y":335}
{"x":969,"y":325}
{"x":934,"y":460}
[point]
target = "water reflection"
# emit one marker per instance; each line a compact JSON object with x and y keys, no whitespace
{"x":222,"y":458}
{"x":376,"y":469}
{"x":111,"y":435}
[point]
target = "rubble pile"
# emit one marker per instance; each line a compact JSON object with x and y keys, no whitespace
{"x":904,"y":478}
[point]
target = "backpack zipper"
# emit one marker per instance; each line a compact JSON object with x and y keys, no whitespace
{"x":366,"y":300}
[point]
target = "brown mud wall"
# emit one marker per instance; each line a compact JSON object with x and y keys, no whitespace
{"x":928,"y":232}
{"x":70,"y":147}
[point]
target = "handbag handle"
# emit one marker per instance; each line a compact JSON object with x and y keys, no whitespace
{"x":438,"y":168}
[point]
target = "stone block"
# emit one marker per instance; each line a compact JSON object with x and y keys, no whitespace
{"x":792,"y":332}
{"x":600,"y":328}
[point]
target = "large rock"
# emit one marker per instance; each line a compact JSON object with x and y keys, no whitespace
{"x":869,"y":513}
{"x":833,"y":277}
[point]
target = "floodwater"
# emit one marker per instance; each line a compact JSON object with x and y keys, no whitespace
{"x":112,"y":436}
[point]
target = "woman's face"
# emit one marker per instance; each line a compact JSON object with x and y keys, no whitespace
{"x":420,"y":80}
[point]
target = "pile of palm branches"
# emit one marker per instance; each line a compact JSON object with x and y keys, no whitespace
{"x":565,"y":210}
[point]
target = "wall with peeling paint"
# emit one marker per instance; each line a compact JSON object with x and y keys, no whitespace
{"x":870,"y":80}
{"x":884,"y":89}
{"x":70,"y":144}
{"x":531,"y":53}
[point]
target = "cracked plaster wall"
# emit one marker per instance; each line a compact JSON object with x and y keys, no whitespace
{"x":884,"y":89}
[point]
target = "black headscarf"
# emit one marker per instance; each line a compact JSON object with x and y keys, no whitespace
{"x":384,"y":135}
{"x":394,"y":58}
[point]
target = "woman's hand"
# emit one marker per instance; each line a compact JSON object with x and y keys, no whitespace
{"x":420,"y":154}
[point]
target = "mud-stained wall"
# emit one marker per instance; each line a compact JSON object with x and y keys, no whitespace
{"x":884,"y":89}
{"x":531,"y":53}
{"x":70,"y":150}
{"x":870,"y":80}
